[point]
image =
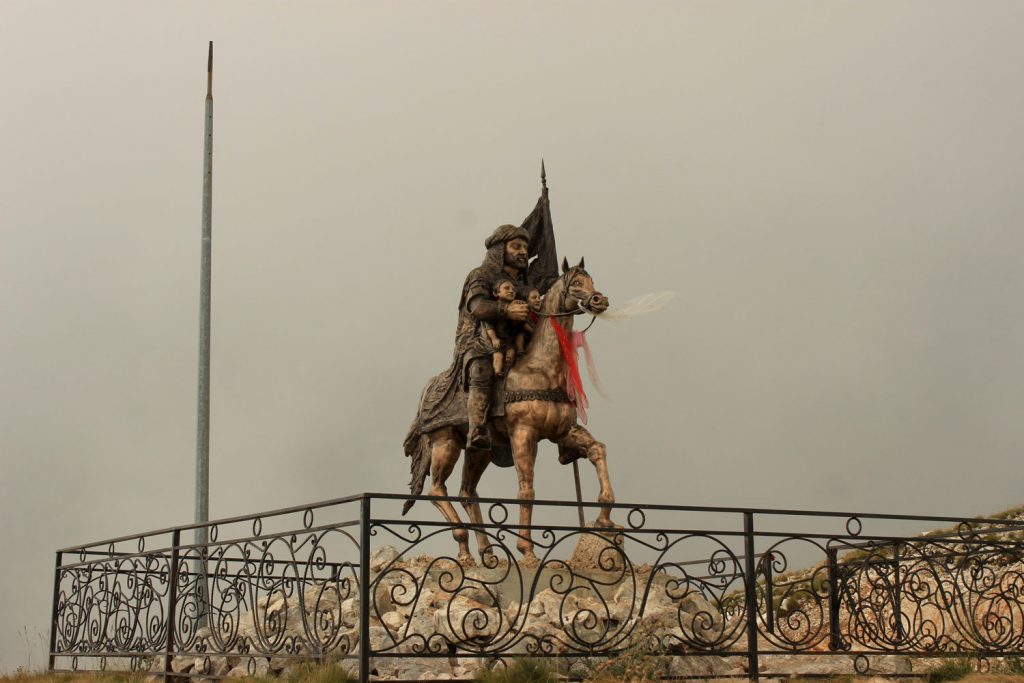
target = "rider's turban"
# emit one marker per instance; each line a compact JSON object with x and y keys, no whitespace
{"x":506,"y":233}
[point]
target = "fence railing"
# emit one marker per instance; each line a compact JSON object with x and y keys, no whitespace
{"x":698,"y":591}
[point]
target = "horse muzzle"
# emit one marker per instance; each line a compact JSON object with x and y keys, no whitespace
{"x":597,"y":303}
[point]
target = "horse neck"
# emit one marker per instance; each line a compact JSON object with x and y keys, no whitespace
{"x":544,"y":352}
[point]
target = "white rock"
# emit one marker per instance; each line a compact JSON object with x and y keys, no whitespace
{"x":322,"y":597}
{"x":219,"y":666}
{"x":693,"y":602}
{"x":269,"y":598}
{"x":382,"y":598}
{"x":420,"y":667}
{"x":466,"y":619}
{"x":379,"y":638}
{"x":180,"y":665}
{"x":277,"y":606}
{"x":382,"y":557}
{"x":394,"y":621}
{"x":422,"y":624}
{"x":350,"y":611}
{"x":260,"y":666}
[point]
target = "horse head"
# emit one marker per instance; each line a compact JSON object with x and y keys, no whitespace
{"x":574,"y":292}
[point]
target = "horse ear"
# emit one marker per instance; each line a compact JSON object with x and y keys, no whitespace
{"x":581,"y":263}
{"x":565,"y":265}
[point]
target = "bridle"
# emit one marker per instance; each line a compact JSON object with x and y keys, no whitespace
{"x":579,"y":310}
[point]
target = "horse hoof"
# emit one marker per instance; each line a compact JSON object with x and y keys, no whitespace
{"x":466,"y":560}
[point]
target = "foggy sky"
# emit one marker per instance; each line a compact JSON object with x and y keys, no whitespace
{"x":832,"y":189}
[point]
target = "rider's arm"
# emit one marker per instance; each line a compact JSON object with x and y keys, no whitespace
{"x":482,"y":307}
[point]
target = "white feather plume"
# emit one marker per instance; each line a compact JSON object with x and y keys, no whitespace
{"x":640,"y":305}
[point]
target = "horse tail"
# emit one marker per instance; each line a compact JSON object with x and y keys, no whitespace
{"x":420,"y":468}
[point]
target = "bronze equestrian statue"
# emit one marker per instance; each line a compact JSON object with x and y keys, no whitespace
{"x":462,"y":409}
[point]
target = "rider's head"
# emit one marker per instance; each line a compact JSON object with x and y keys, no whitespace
{"x":517,"y":252}
{"x":514,"y":244}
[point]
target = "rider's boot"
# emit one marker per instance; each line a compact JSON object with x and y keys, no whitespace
{"x":479,"y":437}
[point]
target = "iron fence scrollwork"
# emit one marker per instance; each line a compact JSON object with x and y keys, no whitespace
{"x":353,"y":581}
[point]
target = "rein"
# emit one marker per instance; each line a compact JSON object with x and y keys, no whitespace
{"x":577,"y":311}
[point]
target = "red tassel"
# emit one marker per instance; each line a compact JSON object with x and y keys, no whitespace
{"x":573,"y":381}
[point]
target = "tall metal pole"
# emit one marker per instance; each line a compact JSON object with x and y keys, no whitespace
{"x":203,"y":403}
{"x":203,"y":425}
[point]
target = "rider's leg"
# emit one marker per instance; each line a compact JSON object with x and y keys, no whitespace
{"x":481,"y":374}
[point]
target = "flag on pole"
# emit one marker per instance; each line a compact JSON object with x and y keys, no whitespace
{"x":543,"y":270}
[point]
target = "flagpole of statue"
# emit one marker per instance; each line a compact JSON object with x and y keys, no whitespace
{"x":575,"y":462}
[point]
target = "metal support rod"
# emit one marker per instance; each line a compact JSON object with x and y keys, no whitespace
{"x":172,"y":604}
{"x":751,"y":595}
{"x":53,"y":613}
{"x":579,"y":492}
{"x":364,"y":590}
{"x":835,"y":641}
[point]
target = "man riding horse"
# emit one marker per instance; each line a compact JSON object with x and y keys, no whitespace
{"x":538,"y":399}
{"x":462,"y":394}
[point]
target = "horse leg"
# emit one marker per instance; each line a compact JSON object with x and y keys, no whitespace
{"x":445,"y":447}
{"x":579,"y":438}
{"x":524,"y":454}
{"x":472,"y":469}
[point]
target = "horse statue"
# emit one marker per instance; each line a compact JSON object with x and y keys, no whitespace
{"x":537,"y":406}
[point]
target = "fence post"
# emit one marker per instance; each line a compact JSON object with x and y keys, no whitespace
{"x":172,"y":603}
{"x":834,"y":637}
{"x":769,"y":592}
{"x":897,"y":597}
{"x":53,"y":614}
{"x":751,"y":595}
{"x":364,"y":589}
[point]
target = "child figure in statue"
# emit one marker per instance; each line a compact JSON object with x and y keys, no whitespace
{"x":525,"y":333}
{"x":499,"y":334}
{"x":533,"y":299}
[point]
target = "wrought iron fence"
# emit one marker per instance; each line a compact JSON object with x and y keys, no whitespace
{"x":690,"y":591}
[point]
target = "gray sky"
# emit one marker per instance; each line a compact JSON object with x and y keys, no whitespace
{"x":832,"y":188}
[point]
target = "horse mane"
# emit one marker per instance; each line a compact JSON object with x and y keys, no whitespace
{"x":551,"y":306}
{"x":558,"y":288}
